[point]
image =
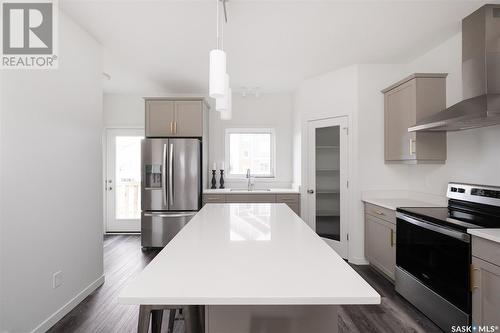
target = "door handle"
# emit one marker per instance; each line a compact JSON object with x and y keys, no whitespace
{"x":164,"y":175}
{"x":412,"y":145}
{"x":171,"y":127}
{"x":175,"y":127}
{"x":171,"y":174}
{"x":310,"y":191}
{"x":392,"y":238}
{"x":472,"y":280}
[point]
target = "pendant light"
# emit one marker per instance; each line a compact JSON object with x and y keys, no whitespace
{"x":217,"y":65}
{"x":224,"y":104}
{"x":227,"y":114}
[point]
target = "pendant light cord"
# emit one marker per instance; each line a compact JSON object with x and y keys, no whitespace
{"x":217,"y":26}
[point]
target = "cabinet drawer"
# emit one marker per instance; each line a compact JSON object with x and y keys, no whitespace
{"x":214,"y":198}
{"x":381,"y":212}
{"x":486,"y":250}
{"x":287,"y":198}
{"x":251,"y":198}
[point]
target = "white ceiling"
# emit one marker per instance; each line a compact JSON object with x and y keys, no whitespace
{"x":163,"y":46}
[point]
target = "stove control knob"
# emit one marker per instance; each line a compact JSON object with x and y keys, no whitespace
{"x":453,"y":189}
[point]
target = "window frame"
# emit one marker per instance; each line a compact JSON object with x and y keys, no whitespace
{"x":253,"y":130}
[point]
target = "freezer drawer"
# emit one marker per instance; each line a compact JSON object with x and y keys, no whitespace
{"x":158,"y":228}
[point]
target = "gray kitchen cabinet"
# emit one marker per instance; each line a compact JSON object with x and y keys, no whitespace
{"x":188,"y":118}
{"x":380,"y":240}
{"x":214,"y":198}
{"x":292,"y":199}
{"x":171,"y":117}
{"x":160,"y":117}
{"x":251,"y":198}
{"x":406,"y":102}
{"x":485,"y":282}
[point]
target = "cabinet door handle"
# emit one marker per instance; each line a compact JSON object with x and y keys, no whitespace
{"x":472,"y":271}
{"x":412,"y":145}
{"x":175,"y":127}
{"x":378,"y":212}
{"x":392,"y":238}
{"x":171,"y":127}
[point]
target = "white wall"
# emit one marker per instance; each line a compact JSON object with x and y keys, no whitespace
{"x":123,"y":110}
{"x":333,"y":94}
{"x":473,"y":155}
{"x":269,"y":111}
{"x":51,"y":125}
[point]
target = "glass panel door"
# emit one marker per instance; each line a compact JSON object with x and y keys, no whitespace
{"x":327,"y":181}
{"x":123,"y":180}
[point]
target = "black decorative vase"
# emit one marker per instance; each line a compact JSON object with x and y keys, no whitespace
{"x":221,"y":180}
{"x":214,"y":181}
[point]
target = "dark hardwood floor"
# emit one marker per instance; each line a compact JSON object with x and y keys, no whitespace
{"x":123,"y":259}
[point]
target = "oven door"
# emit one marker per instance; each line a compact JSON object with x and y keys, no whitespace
{"x":436,"y":256}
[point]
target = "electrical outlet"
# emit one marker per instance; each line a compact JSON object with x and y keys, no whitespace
{"x":57,"y":279}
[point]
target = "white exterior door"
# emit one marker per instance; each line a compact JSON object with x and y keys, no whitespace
{"x":123,"y":180}
{"x":327,"y":181}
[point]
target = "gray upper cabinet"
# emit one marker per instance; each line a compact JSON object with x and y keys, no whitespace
{"x":406,"y":102}
{"x":188,"y":118}
{"x":170,"y":117}
{"x":159,"y":118}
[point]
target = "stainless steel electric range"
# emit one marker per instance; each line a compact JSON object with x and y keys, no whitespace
{"x":433,"y":251}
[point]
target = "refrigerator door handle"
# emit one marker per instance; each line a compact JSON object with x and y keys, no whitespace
{"x":164,"y":175}
{"x":170,"y":215}
{"x":171,"y":174}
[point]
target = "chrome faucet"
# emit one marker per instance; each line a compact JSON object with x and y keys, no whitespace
{"x":250,"y":182}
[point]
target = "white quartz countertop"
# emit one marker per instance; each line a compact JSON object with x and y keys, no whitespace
{"x":248,"y":254}
{"x":256,"y":191}
{"x":394,"y":203}
{"x":489,"y":234}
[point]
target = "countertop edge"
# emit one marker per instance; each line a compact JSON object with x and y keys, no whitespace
{"x":485,"y":233}
{"x":343,"y":300}
{"x":386,"y":203}
{"x":272,"y":191}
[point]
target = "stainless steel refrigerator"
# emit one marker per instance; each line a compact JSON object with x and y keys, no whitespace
{"x":171,"y":188}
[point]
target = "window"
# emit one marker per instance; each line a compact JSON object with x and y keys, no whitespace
{"x":250,"y":148}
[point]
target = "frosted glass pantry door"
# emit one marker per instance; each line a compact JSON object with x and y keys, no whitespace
{"x":327,"y":181}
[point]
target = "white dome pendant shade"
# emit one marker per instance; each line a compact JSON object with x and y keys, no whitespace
{"x":217,"y":88}
{"x":227,"y":114}
{"x":221,"y":103}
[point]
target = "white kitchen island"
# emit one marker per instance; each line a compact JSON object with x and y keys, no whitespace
{"x":244,"y":268}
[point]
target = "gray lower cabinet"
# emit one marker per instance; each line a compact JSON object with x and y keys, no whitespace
{"x":406,"y":102}
{"x":292,"y":200}
{"x":485,"y":282}
{"x":380,"y":239}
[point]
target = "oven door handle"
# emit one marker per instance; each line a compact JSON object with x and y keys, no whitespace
{"x":434,"y":227}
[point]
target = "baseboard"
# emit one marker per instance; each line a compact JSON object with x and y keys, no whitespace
{"x":358,"y":261}
{"x":66,"y":308}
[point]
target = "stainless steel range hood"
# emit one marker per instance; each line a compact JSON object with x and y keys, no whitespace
{"x":480,"y":76}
